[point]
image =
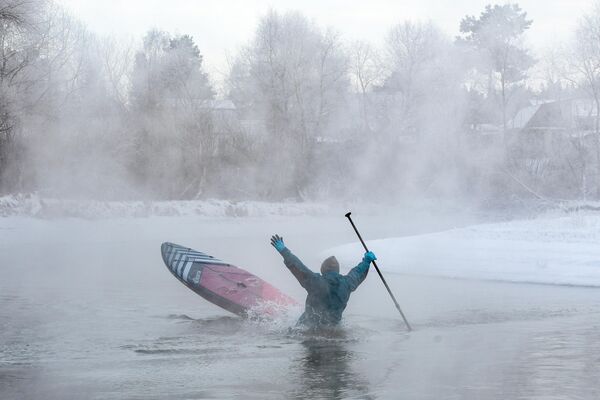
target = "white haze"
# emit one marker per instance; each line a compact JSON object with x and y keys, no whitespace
{"x":304,"y":110}
{"x":308,"y":108}
{"x":221,"y":27}
{"x":215,"y":124}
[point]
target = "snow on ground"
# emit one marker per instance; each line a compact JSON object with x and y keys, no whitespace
{"x":32,"y":205}
{"x":552,"y":251}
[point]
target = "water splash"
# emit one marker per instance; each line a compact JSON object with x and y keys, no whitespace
{"x":274,"y":316}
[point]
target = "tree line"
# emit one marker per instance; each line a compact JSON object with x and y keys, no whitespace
{"x":302,"y":113}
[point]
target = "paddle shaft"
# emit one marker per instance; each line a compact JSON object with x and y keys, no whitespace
{"x":379,"y":272}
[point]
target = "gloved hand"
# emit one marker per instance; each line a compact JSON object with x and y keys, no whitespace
{"x":277,"y":242}
{"x":369,"y":257}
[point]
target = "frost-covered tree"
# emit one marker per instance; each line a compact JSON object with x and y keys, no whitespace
{"x":17,"y":51}
{"x":496,"y":37}
{"x":293,"y":77}
{"x":46,"y":71}
{"x":424,"y":104}
{"x":68,"y":110}
{"x":367,"y":71}
{"x":167,"y":72}
{"x":40,"y":66}
{"x":419,"y":72}
{"x":170,"y":99}
{"x":584,"y":61}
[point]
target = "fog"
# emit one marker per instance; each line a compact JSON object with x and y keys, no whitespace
{"x":302,"y":113}
{"x":470,"y":162}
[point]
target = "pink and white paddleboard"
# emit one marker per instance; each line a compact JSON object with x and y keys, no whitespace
{"x":223,"y":284}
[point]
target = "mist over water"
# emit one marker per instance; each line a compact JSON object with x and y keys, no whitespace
{"x":92,"y":312}
{"x":110,"y":146}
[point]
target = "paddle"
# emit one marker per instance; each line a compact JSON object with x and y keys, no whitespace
{"x":379,"y":272}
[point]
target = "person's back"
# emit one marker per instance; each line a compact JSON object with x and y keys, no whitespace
{"x":327,"y":298}
{"x":328,"y":292}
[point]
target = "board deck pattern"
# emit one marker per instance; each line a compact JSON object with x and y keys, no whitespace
{"x":223,"y":284}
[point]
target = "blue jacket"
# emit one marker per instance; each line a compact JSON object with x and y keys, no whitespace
{"x":328,"y":294}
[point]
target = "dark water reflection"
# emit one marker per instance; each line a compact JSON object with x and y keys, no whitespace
{"x":547,"y":348}
{"x":326,"y":367}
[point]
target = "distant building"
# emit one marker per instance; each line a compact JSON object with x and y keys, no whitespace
{"x":224,"y":116}
{"x":541,"y":128}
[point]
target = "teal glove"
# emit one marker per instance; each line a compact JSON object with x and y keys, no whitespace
{"x":277,"y":242}
{"x":369,"y":257}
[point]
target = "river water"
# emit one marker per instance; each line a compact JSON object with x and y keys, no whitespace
{"x":88,"y":310}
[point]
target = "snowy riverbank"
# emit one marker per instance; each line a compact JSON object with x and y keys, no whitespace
{"x":29,"y":205}
{"x":562,"y":251}
{"x":37,"y":206}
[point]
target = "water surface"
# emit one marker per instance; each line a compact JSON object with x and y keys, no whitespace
{"x":87,"y":310}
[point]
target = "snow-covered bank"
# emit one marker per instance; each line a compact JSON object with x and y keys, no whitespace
{"x":553,"y":251}
{"x":35,"y":206}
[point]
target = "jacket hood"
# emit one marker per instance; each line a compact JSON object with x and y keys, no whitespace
{"x":330,"y":264}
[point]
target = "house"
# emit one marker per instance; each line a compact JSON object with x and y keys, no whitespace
{"x":545,"y":127}
{"x":224,"y":116}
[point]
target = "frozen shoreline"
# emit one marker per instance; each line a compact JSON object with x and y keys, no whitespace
{"x":31,"y":205}
{"x":564,"y":251}
{"x":36,"y":206}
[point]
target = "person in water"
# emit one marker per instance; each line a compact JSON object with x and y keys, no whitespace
{"x":329,"y":291}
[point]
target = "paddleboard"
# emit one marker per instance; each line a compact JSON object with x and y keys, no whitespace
{"x":223,"y":284}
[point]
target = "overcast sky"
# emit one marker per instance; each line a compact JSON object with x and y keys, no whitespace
{"x":219,"y":27}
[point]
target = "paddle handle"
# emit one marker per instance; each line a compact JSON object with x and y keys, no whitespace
{"x":379,"y":273}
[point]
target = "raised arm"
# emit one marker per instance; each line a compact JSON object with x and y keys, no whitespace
{"x":305,"y":276}
{"x":358,"y":274}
